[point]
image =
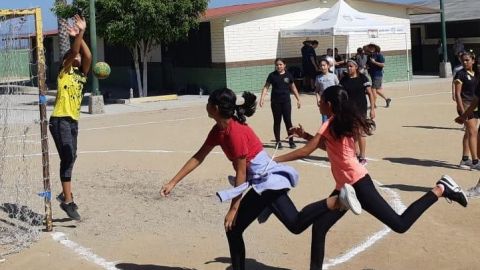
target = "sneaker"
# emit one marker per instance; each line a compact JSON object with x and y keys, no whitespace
{"x":71,"y":210}
{"x":453,"y":192}
{"x":278,"y":145}
{"x":473,"y":192}
{"x":465,"y":164}
{"x":475,"y":166}
{"x":61,"y":199}
{"x":363,"y":161}
{"x":387,"y":101}
{"x":348,"y":199}
{"x":292,"y":145}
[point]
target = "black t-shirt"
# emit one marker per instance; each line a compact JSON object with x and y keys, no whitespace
{"x":356,"y":89}
{"x":469,"y":81}
{"x":307,"y":53}
{"x":280,"y":86}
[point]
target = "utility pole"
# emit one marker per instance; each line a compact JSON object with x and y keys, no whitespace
{"x":445,"y":65}
{"x":95,"y":102}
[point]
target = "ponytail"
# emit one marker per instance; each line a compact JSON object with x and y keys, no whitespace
{"x":246,"y":106}
{"x":348,"y":121}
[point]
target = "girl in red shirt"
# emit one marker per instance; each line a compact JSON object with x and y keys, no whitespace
{"x":270,"y":181}
{"x":336,"y":136}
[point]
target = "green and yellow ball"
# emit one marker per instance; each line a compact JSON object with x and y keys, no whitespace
{"x":101,"y":70}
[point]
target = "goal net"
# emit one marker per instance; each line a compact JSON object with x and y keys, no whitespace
{"x":22,"y":164}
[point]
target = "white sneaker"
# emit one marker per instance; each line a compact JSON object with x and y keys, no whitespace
{"x":465,"y":164}
{"x":349,"y":200}
{"x":475,"y":167}
{"x":473,"y":192}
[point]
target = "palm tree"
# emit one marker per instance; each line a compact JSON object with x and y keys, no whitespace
{"x":63,"y":37}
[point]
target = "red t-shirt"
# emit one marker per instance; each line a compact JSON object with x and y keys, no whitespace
{"x":237,"y":141}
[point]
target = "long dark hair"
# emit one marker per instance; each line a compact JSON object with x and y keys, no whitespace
{"x":348,"y":121}
{"x":472,"y":56}
{"x":226,"y":101}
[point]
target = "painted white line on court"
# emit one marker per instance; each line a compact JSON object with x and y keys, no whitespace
{"x":117,"y":126}
{"x":396,"y":204}
{"x":113,"y":151}
{"x":422,"y":95}
{"x":143,"y":124}
{"x":403,"y":97}
{"x":84,"y":252}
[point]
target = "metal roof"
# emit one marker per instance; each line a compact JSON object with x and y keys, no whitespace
{"x":455,"y":10}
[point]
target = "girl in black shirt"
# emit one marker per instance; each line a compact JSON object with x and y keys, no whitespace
{"x":282,"y":84}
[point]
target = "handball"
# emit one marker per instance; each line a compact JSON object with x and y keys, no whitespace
{"x":101,"y":70}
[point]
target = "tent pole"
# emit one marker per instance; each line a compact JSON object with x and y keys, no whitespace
{"x":408,"y":63}
{"x":333,"y":49}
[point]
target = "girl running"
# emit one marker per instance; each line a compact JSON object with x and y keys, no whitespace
{"x":282,"y":83}
{"x":253,"y":167}
{"x":358,"y":86}
{"x":466,"y":81}
{"x":63,"y":123}
{"x":336,"y":136}
{"x":324,"y":80}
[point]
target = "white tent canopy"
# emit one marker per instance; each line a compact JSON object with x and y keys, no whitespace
{"x":342,"y":19}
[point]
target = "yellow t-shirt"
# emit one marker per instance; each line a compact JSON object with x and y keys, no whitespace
{"x":70,"y":93}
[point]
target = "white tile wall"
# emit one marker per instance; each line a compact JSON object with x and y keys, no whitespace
{"x":255,"y":35}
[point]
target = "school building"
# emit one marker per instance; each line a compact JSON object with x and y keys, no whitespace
{"x":236,"y":46}
{"x":462,"y":23}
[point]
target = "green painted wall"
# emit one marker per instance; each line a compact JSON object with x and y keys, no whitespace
{"x":253,"y":78}
{"x":396,"y":68}
{"x":248,"y":78}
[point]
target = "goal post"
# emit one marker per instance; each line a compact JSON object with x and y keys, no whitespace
{"x":39,"y":80}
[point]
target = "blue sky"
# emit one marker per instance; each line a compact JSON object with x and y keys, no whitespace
{"x":50,"y":20}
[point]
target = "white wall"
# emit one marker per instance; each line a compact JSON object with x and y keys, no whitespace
{"x":255,"y":35}
{"x":217,"y":40}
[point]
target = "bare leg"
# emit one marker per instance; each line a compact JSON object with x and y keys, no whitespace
{"x":67,"y":191}
{"x":472,"y":132}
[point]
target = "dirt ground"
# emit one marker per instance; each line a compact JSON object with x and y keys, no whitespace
{"x":125,"y":157}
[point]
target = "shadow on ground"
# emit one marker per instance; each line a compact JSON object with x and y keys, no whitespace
{"x":422,"y":162}
{"x":433,"y":127}
{"x":249,"y":264}
{"x":407,"y":187}
{"x":132,"y":266}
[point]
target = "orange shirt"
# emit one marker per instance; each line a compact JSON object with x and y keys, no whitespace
{"x":343,"y":160}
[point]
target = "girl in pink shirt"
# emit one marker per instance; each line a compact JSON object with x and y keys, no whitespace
{"x":336,"y":136}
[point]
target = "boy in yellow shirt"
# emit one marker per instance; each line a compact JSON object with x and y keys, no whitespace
{"x":64,"y":119}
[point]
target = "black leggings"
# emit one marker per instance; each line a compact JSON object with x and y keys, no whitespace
{"x":64,"y":131}
{"x":279,"y":110}
{"x":374,"y":204}
{"x":278,"y":201}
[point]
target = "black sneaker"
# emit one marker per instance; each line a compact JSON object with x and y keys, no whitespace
{"x":453,"y":192}
{"x":71,"y":210}
{"x":292,"y":145}
{"x":278,"y":145}
{"x":388,"y":100}
{"x":61,"y":199}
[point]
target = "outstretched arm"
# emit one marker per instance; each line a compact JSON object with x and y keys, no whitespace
{"x":86,"y":58}
{"x":303,"y":152}
{"x":189,"y":166}
{"x":240,"y":166}
{"x":78,"y":30}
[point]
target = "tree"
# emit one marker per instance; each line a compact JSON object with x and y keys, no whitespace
{"x":142,"y":25}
